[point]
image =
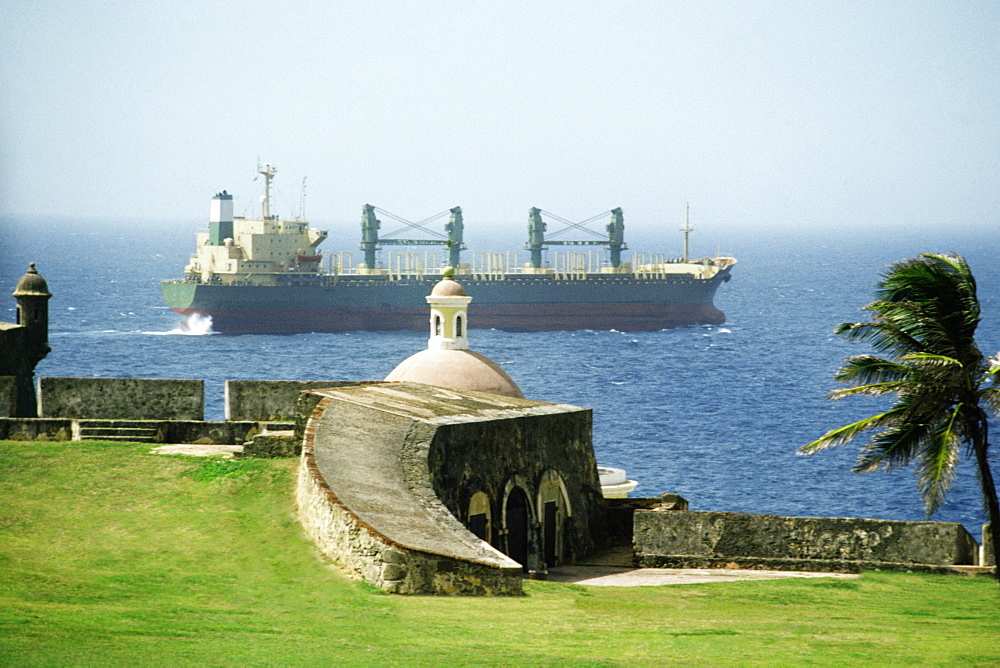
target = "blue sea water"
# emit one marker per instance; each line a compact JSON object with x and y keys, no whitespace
{"x":715,"y":414}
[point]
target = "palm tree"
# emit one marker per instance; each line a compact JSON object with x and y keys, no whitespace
{"x":924,"y":321}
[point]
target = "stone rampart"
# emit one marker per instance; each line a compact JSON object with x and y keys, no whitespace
{"x":17,"y":362}
{"x":690,"y":539}
{"x":263,"y":400}
{"x":121,"y":398}
{"x":363,"y":553}
{"x":209,"y":432}
{"x":36,"y":429}
{"x":166,"y":431}
{"x":479,"y":455}
{"x":619,"y":514}
{"x":383,"y":532}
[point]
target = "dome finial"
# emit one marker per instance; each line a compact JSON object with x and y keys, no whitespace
{"x":32,"y":284}
{"x":449,"y":273}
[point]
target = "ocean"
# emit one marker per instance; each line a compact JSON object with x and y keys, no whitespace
{"x":713,"y":413}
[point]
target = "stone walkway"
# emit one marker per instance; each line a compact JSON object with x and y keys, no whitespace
{"x":612,"y":567}
{"x":195,"y":450}
{"x":611,"y":576}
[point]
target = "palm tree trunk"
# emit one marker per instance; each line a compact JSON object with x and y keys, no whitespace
{"x":980,"y":445}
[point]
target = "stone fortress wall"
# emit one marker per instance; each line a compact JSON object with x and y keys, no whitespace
{"x":121,"y":398}
{"x":461,"y":491}
{"x":263,"y":400}
{"x":172,"y":408}
{"x":678,"y":539}
{"x":690,"y":539}
{"x":366,"y":499}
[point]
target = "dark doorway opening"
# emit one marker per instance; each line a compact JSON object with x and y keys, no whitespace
{"x":477,"y":525}
{"x":550,"y":533}
{"x":517,"y":527}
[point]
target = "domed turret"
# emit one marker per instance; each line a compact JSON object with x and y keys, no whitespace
{"x":448,"y":362}
{"x":32,"y":294}
{"x":449,"y":314}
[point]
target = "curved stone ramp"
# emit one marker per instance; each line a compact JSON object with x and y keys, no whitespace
{"x":365,"y":494}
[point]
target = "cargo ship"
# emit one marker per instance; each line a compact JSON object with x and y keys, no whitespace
{"x":267,"y":276}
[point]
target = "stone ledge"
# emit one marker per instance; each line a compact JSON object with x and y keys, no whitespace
{"x":202,"y":432}
{"x":733,"y":537}
{"x":806,"y":565}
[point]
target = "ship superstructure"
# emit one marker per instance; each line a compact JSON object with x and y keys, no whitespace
{"x":266,"y":251}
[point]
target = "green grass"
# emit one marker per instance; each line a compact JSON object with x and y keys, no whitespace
{"x":112,"y":556}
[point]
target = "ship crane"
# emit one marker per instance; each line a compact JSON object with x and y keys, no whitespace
{"x":371,"y":242}
{"x":537,"y":241}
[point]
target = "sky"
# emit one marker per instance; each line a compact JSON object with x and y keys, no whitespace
{"x":762,"y":115}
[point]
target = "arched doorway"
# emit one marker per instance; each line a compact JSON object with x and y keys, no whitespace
{"x":517,"y":526}
{"x":553,"y":510}
{"x":479,"y":517}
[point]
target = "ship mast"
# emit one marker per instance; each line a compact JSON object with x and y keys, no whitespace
{"x":302,"y":201}
{"x":268,"y":170}
{"x":687,"y":228}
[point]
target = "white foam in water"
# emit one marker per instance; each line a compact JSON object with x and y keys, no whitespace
{"x":196,"y":324}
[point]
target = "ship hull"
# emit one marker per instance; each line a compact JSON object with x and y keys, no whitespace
{"x":623,"y":302}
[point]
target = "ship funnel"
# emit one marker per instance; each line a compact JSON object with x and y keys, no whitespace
{"x":220,"y":219}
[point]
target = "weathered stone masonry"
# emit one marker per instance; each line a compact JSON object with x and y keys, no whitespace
{"x":689,"y":539}
{"x":409,"y":487}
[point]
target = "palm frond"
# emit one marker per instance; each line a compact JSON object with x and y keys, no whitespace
{"x":932,"y":358}
{"x":941,"y":288}
{"x":870,"y":390}
{"x":991,"y":397}
{"x":938,"y":460}
{"x":867,"y":369}
{"x":847,"y":433}
{"x":925,"y":404}
{"x":882,"y":337}
{"x":892,"y":448}
{"x":946,"y":375}
{"x":921,"y":324}
{"x":964,"y":281}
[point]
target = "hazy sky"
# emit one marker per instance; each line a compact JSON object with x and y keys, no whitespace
{"x":796,"y":114}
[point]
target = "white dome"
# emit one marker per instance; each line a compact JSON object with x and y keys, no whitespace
{"x":456,"y":370}
{"x":448,"y":287}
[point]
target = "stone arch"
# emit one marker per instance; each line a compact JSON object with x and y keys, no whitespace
{"x":518,"y":521}
{"x":479,"y":516}
{"x":553,"y":509}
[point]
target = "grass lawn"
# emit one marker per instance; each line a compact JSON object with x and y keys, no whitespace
{"x":113,"y":556}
